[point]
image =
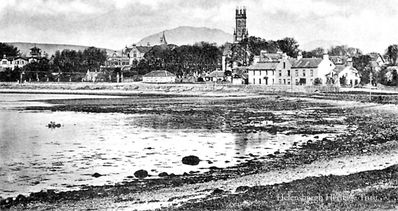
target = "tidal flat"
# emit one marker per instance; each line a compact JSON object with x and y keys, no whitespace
{"x":242,"y":142}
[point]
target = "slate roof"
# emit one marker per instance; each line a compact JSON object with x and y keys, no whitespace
{"x":339,"y":68}
{"x":264,"y":66}
{"x":269,"y":57}
{"x":307,"y":63}
{"x":159,"y":73}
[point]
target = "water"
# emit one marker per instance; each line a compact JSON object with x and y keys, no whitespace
{"x":34,"y":157}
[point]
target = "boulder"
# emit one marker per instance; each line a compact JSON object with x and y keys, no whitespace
{"x":163,"y":174}
{"x":141,"y":174}
{"x":96,"y":175}
{"x":191,"y":160}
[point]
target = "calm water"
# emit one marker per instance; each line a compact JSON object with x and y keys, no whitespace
{"x":34,"y":157}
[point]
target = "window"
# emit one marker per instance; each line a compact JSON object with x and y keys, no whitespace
{"x":280,"y":72}
{"x":288,"y":73}
{"x":266,"y":72}
{"x":259,"y":72}
{"x":284,"y":65}
{"x":254,"y":72}
{"x":312,"y":73}
{"x":254,"y":81}
{"x":259,"y":81}
{"x":296,"y":73}
{"x":4,"y":62}
{"x":304,"y":73}
{"x":280,"y":81}
{"x":284,"y":81}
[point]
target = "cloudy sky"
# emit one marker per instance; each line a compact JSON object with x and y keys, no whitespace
{"x":370,"y":25}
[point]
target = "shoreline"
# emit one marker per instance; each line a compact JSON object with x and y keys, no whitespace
{"x":121,"y":193}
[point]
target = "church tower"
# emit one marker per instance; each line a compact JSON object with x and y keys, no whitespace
{"x":240,"y":32}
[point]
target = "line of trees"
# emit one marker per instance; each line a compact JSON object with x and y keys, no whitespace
{"x":180,"y":60}
{"x":65,"y":65}
{"x":190,"y":59}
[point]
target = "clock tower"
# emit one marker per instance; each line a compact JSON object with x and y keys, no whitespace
{"x":240,"y":32}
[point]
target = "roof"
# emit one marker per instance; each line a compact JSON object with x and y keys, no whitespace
{"x":144,"y":49}
{"x":338,"y":59}
{"x":374,"y":56}
{"x":339,"y":68}
{"x":216,"y":74}
{"x":159,"y":73}
{"x":264,"y":66}
{"x":269,"y":57}
{"x":307,"y":63}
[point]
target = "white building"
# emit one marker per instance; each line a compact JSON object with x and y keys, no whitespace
{"x":159,"y":76}
{"x":262,"y":73}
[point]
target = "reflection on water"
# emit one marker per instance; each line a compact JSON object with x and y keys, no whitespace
{"x":34,"y":157}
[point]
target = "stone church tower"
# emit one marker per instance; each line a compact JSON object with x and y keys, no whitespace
{"x":240,"y":32}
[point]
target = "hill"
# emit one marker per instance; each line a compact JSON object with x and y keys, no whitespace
{"x":24,"y":47}
{"x":326,"y":44}
{"x":188,"y":35}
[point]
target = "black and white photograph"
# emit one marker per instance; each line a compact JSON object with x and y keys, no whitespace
{"x":199,"y":105}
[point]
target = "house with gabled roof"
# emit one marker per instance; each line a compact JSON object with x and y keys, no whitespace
{"x":307,"y":70}
{"x":345,"y":74}
{"x":262,"y":73}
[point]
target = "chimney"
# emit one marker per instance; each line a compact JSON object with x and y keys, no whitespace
{"x":299,"y":55}
{"x":349,"y":62}
{"x":325,"y":56}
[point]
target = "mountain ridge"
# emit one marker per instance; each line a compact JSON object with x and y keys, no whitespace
{"x":188,"y":35}
{"x":50,"y":48}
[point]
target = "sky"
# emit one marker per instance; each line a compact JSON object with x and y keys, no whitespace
{"x":370,"y":25}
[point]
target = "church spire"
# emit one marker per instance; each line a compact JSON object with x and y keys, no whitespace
{"x":163,"y":39}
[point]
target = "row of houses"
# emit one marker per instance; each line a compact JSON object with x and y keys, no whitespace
{"x":279,"y":69}
{"x":20,"y":61}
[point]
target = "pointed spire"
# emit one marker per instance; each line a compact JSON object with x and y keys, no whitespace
{"x":163,"y":39}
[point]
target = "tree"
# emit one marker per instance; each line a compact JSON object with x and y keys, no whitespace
{"x":37,"y":70}
{"x":289,"y":46}
{"x":93,"y":58}
{"x":362,"y":64}
{"x":8,"y":50}
{"x":392,"y":54}
{"x":343,"y":80}
{"x":343,"y":50}
{"x":317,"y":53}
{"x":318,"y":81}
{"x":257,"y":44}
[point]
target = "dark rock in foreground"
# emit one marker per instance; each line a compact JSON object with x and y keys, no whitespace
{"x":141,"y":174}
{"x":96,"y":175}
{"x":191,"y":160}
